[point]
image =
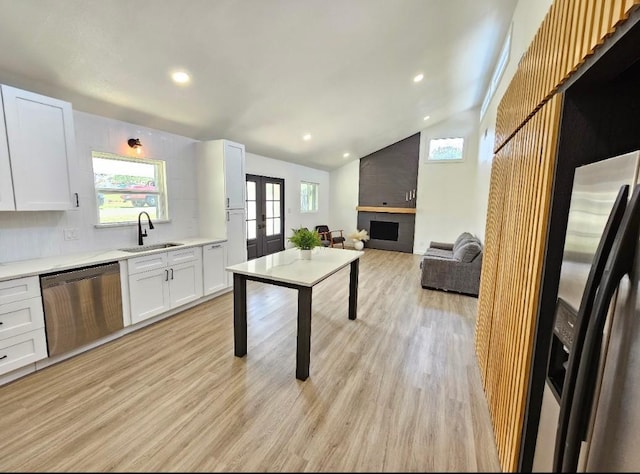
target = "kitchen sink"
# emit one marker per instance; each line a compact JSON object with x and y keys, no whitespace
{"x":144,"y":248}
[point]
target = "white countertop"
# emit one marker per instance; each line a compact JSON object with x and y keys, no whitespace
{"x":289,"y":267}
{"x":38,"y":266}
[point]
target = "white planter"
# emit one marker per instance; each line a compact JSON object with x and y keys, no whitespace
{"x":305,"y":254}
{"x":358,"y":244}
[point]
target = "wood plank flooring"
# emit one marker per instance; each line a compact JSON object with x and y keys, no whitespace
{"x":396,"y":390}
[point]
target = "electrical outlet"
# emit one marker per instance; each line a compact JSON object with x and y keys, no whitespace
{"x":71,"y":234}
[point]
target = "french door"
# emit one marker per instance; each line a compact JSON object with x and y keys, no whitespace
{"x":265,"y":215}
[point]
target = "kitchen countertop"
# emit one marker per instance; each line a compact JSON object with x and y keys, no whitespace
{"x":39,"y":266}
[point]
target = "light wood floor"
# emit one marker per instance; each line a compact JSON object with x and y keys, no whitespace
{"x":396,"y":390}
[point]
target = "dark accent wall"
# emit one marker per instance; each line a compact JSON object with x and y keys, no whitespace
{"x":387,"y":175}
{"x":387,"y":178}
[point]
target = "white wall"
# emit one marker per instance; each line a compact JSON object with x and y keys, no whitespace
{"x":526,"y":20}
{"x":446,"y":196}
{"x":345,"y":185}
{"x":26,"y":235}
{"x":292,"y":174}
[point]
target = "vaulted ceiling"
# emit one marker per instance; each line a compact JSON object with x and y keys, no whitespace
{"x":263,"y":73}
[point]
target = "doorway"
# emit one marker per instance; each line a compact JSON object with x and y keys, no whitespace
{"x":265,"y":215}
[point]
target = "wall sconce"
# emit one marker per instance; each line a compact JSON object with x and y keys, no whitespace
{"x":135,"y":143}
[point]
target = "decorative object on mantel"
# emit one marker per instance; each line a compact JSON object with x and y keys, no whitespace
{"x":305,"y":240}
{"x":358,"y":238}
{"x":392,"y":210}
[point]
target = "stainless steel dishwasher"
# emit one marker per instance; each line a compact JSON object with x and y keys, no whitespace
{"x":81,"y":306}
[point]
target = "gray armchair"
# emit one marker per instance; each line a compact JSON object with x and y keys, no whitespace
{"x":453,"y":266}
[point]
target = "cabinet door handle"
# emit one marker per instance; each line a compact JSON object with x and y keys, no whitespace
{"x":172,"y":273}
{"x":77,"y":199}
{"x":216,"y":246}
{"x":227,"y":216}
{"x":166,"y":275}
{"x":227,"y":202}
{"x":3,"y":357}
{"x":1,"y":323}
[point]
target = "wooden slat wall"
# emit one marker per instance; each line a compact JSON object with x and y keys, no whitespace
{"x":568,"y":35}
{"x":527,"y":130}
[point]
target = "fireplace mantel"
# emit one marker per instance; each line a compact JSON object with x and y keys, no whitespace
{"x":392,"y":210}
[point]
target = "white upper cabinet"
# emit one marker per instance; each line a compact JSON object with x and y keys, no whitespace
{"x":221,"y":184}
{"x":40,"y":145}
{"x":234,"y":175}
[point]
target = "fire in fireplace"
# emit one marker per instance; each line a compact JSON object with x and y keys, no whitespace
{"x":384,"y":230}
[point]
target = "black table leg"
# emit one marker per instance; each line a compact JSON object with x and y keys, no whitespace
{"x":353,"y":289}
{"x":240,"y":314}
{"x":303,"y":350}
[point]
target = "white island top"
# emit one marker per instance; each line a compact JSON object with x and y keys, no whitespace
{"x":288,"y":266}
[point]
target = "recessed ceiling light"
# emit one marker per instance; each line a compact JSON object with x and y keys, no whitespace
{"x":427,"y":117}
{"x":306,"y":136}
{"x":418,"y":78}
{"x":346,"y":155}
{"x":180,"y":77}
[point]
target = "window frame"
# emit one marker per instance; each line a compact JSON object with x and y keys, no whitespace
{"x":429,"y":159}
{"x":316,"y":191}
{"x":501,"y":66}
{"x":160,"y":183}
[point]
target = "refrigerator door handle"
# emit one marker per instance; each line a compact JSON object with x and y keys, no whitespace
{"x":584,"y":312}
{"x":619,"y":263}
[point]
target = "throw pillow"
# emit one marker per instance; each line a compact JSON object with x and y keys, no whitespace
{"x":467,"y":252}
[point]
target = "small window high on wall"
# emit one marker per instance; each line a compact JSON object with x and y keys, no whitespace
{"x":126,"y":186}
{"x":445,"y":150}
{"x":308,"y":197}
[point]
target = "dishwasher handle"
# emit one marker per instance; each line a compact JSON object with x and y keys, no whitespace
{"x":70,"y":276}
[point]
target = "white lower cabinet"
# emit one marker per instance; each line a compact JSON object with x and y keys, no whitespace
{"x":214,"y":261}
{"x":22,"y":335}
{"x":163,"y":281}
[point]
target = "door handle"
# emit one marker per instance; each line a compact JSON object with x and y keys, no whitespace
{"x":166,"y":275}
{"x":172,"y":273}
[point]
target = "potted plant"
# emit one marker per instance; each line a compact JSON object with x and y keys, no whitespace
{"x":358,"y":238}
{"x":305,"y":240}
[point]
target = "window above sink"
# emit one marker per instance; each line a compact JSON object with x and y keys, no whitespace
{"x":125,"y":186}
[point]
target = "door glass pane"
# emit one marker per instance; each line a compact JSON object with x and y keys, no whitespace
{"x":251,"y":230}
{"x":276,"y":226}
{"x":269,"y":226}
{"x":251,"y":191}
{"x":269,"y":192}
{"x":251,"y":209}
{"x":276,"y":192}
{"x":269,"y":208}
{"x":276,"y":208}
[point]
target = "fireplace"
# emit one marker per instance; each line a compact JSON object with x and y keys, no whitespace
{"x":384,"y":230}
{"x":388,"y":230}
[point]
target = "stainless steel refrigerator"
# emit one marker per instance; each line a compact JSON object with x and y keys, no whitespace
{"x":590,"y":416}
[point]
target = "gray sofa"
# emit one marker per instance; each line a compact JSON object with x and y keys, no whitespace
{"x":453,"y":266}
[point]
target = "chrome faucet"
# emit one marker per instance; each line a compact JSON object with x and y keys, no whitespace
{"x":142,"y":234}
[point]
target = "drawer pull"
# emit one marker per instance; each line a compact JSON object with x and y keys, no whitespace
{"x":216,"y":246}
{"x":1,"y":323}
{"x":3,"y":357}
